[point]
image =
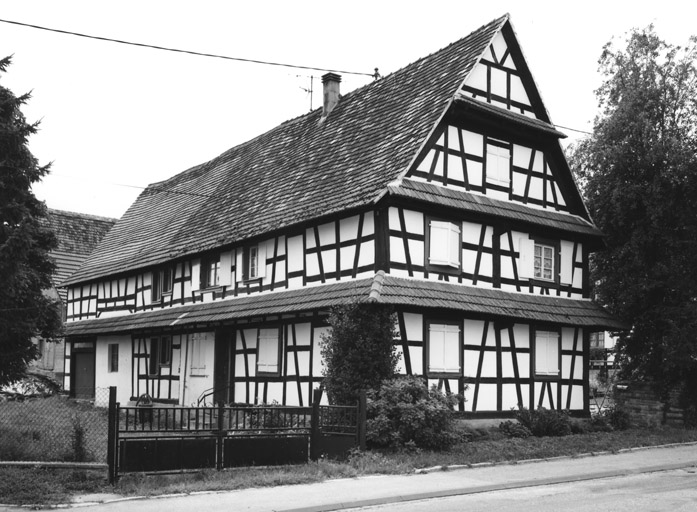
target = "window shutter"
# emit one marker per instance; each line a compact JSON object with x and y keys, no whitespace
{"x":546,"y":353}
{"x":438,"y":243}
{"x":566,"y":263}
{"x":267,"y":351}
{"x":153,"y":292}
{"x":239,"y":265}
{"x":455,"y":246}
{"x":261,"y":260}
{"x":436,"y":348}
{"x":196,"y":275}
{"x":452,"y":349}
{"x":225,"y":275}
{"x":526,"y":266}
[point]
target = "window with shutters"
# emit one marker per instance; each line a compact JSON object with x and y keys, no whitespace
{"x":269,"y":351}
{"x":538,"y":260}
{"x":444,"y":349}
{"x":210,"y":271}
{"x":162,"y":283}
{"x":199,"y":354}
{"x":547,"y":353}
{"x":444,"y":247}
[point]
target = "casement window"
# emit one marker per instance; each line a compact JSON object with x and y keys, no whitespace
{"x":210,"y":271}
{"x":444,"y":354}
{"x":252,"y":261}
{"x":113,"y":357}
{"x":162,"y":283}
{"x":269,"y":351}
{"x":160,"y":354}
{"x":547,"y":353}
{"x":597,"y":339}
{"x":538,"y":260}
{"x":444,"y":246}
{"x":544,"y":262}
{"x":498,"y":162}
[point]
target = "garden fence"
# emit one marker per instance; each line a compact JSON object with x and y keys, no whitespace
{"x":54,"y":428}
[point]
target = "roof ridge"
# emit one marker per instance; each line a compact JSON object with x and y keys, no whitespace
{"x":53,"y":211}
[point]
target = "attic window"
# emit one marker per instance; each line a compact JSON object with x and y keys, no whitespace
{"x":162,"y":283}
{"x":254,"y":264}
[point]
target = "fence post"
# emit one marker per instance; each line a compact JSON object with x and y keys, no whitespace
{"x":362,"y":419}
{"x":221,"y":437}
{"x":315,"y":430}
{"x":112,"y":429}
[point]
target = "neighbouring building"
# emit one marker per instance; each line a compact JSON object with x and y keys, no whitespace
{"x":441,"y":189}
{"x":77,"y":235}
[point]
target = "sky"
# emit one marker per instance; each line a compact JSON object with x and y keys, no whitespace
{"x":115,"y":118}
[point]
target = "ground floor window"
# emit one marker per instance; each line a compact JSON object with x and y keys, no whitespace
{"x":269,"y":351}
{"x":547,"y":353}
{"x":444,"y":353}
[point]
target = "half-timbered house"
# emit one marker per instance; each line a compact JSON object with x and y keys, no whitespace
{"x":440,"y":189}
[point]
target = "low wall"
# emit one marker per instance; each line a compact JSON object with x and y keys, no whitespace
{"x":644,"y":405}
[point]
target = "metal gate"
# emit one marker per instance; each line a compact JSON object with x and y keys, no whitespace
{"x":164,"y":439}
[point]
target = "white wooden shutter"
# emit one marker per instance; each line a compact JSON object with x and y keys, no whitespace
{"x":438,"y":243}
{"x":225,"y":274}
{"x":196,"y":275}
{"x":261,"y":260}
{"x":444,"y":348}
{"x":546,"y":353}
{"x":267,"y":351}
{"x":239,"y":265}
{"x":526,"y":262}
{"x":566,"y":263}
{"x":455,"y":246}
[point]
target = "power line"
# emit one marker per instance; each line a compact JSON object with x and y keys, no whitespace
{"x":189,"y":52}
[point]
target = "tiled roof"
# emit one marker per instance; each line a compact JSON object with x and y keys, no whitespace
{"x":299,"y":171}
{"x":478,"y":203}
{"x":381,"y":288}
{"x":77,"y":234}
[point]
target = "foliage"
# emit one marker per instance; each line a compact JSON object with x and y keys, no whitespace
{"x":514,"y":429}
{"x":25,"y":268}
{"x":544,"y":422}
{"x":639,"y":174}
{"x":611,"y":418}
{"x":358,"y":351}
{"x":405,"y":413}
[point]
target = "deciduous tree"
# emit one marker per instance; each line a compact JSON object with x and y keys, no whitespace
{"x":638,"y":171}
{"x":25,"y":267}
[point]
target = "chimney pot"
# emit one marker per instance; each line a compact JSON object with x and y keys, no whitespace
{"x":331,"y":82}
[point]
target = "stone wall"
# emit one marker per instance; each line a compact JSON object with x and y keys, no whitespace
{"x":644,"y":405}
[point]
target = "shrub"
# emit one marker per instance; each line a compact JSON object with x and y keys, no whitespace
{"x":358,"y":351}
{"x":405,"y":413}
{"x":545,"y":422}
{"x":514,"y":429}
{"x":612,"y":418}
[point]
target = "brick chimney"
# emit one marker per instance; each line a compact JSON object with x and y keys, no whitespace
{"x":331,"y":82}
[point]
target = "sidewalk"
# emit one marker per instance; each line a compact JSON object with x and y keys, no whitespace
{"x":436,"y":482}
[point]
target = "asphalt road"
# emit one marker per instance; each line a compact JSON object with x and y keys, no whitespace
{"x":674,"y":491}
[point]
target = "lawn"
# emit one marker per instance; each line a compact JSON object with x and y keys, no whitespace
{"x":37,"y":486}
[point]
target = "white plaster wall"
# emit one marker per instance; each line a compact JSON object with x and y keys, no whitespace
{"x":120,"y":379}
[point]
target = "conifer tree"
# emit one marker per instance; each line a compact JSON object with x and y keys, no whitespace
{"x":25,"y":266}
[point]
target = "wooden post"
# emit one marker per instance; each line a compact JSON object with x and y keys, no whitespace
{"x":221,"y":437}
{"x":315,"y":430}
{"x":112,"y":436}
{"x":362,"y":420}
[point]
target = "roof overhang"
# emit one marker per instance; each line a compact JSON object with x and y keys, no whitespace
{"x":382,"y":289}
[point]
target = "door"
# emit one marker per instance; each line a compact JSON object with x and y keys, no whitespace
{"x":83,"y":371}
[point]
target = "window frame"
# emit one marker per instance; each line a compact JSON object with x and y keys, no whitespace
{"x":160,"y":355}
{"x":279,"y":351}
{"x":443,"y":265}
{"x":555,"y":267}
{"x":112,"y":358}
{"x":258,"y":252}
{"x":158,"y":283}
{"x":445,"y":372}
{"x":207,"y":263}
{"x":546,"y":374}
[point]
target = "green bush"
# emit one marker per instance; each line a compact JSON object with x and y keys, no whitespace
{"x":612,"y":418}
{"x":514,"y":429}
{"x":545,"y":422}
{"x":358,"y":351}
{"x":405,"y":413}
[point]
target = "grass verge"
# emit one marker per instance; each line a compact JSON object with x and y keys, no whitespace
{"x":46,"y":487}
